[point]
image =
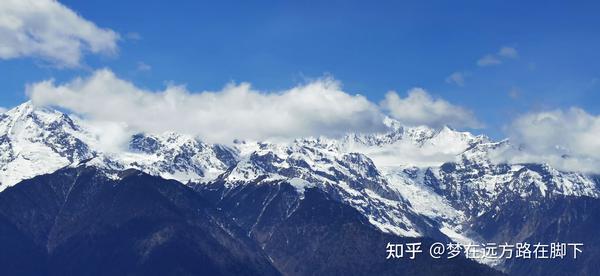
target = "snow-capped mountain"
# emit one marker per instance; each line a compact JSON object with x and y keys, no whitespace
{"x":449,"y":176}
{"x":460,"y":168}
{"x":37,"y":140}
{"x":350,"y":177}
{"x":176,"y":156}
{"x":475,"y":184}
{"x":408,"y":181}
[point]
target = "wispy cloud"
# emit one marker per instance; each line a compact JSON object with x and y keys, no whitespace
{"x":504,"y":53}
{"x":488,"y":60}
{"x":48,"y":30}
{"x":134,"y":36}
{"x":514,"y":93}
{"x":508,"y":52}
{"x":457,"y":78}
{"x":141,"y":66}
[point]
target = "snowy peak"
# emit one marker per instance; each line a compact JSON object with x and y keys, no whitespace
{"x":177,"y":156}
{"x":413,"y":146}
{"x":36,"y":140}
{"x":418,"y":135}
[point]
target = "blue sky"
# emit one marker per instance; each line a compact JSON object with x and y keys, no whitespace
{"x":370,"y":48}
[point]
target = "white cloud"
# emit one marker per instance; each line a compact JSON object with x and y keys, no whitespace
{"x":419,"y":108}
{"x":50,"y":31}
{"x":565,"y":139}
{"x":2,"y":109}
{"x":508,"y":52}
{"x":457,"y":78}
{"x":488,"y":60}
{"x":505,"y":52}
{"x":237,"y":111}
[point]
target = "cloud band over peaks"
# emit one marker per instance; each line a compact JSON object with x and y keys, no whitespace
{"x":238,"y":111}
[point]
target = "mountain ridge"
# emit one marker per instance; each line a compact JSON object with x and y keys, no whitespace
{"x":391,"y":178}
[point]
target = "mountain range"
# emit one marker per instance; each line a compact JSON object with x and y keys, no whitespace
{"x":170,"y":203}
